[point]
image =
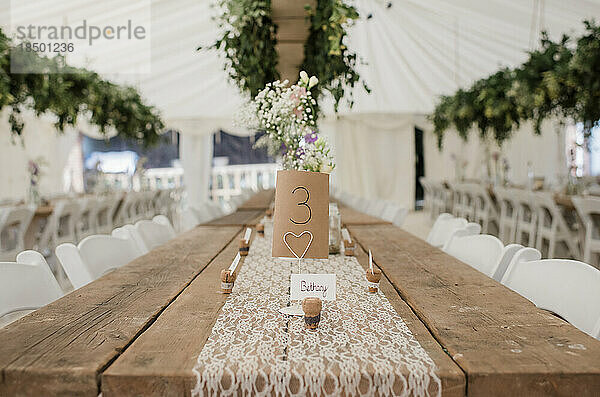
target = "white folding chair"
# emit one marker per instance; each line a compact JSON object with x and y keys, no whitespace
{"x":14,"y":222}
{"x":484,"y":209}
{"x":126,"y":212}
{"x":526,"y":217}
{"x":26,"y":285}
{"x":105,"y":213}
{"x":60,"y":227}
{"x":588,"y":209}
{"x":432,"y":237}
{"x":95,"y":256}
{"x":508,"y":254}
{"x":441,"y":195}
{"x":446,"y":229}
{"x":553,"y":227}
{"x":428,"y":195}
{"x":395,"y":214}
{"x":462,"y":204}
{"x":153,"y":234}
{"x":163,"y":220}
{"x":568,"y":288}
{"x":470,"y":229}
{"x":130,"y":232}
{"x":86,"y":225}
{"x":483,"y":252}
{"x":507,"y":219}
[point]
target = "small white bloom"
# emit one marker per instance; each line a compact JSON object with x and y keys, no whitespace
{"x":304,"y":77}
{"x":313,"y":82}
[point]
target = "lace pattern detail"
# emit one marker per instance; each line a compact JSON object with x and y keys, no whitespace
{"x":362,"y":346}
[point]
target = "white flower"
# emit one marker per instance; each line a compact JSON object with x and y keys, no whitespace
{"x":313,"y":82}
{"x":304,"y":77}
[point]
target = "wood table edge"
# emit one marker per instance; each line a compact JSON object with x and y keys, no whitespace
{"x":452,"y":376}
{"x":114,"y":378}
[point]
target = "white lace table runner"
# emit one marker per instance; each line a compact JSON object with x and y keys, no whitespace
{"x":362,"y":346}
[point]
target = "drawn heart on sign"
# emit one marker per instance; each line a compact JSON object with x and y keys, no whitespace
{"x":298,"y":236}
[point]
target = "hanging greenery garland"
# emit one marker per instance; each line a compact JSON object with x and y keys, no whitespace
{"x":556,"y":80}
{"x":579,"y":84}
{"x":326,"y":55}
{"x":68,"y":93}
{"x":537,"y":80}
{"x":248,"y":41}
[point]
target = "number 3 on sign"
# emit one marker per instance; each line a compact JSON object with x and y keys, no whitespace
{"x":303,"y":203}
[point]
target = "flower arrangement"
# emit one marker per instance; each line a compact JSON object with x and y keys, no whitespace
{"x":287,"y":116}
{"x":34,"y":168}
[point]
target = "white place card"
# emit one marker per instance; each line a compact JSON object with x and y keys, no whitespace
{"x":235,"y":262}
{"x":247,"y":235}
{"x":312,"y":285}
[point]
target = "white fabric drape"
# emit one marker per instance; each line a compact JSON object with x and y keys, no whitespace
{"x":40,"y":141}
{"x":374,"y":154}
{"x":196,"y":158}
{"x":413,"y":52}
{"x":546,"y":153}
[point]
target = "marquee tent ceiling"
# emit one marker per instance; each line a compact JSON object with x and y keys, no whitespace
{"x":415,"y":50}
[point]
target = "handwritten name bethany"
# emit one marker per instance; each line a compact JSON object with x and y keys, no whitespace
{"x":313,"y":287}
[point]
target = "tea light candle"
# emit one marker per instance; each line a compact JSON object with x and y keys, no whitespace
{"x":312,"y":312}
{"x":227,"y":280}
{"x":245,"y":243}
{"x":373,"y":278}
{"x":349,"y":245}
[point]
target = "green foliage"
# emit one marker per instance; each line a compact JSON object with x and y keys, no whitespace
{"x":69,"y":92}
{"x":539,"y":79}
{"x":580,"y":98}
{"x":325,"y":54}
{"x":556,"y":80}
{"x":496,"y":109}
{"x":248,"y":42}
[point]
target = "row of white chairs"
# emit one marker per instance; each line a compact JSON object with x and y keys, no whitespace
{"x":96,"y":255}
{"x":384,"y":209}
{"x":205,"y":212}
{"x":568,"y":288}
{"x":73,"y":219}
{"x":29,"y":283}
{"x":522,"y":217}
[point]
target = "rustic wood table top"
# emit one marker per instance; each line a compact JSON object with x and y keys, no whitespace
{"x":351,"y":216}
{"x":503,"y":343}
{"x":138,"y":330}
{"x":260,"y":201}
{"x":239,"y":218}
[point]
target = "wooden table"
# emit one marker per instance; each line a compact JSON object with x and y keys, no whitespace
{"x":260,"y":201}
{"x":138,"y":330}
{"x":503,"y":343}
{"x":351,"y":216}
{"x":239,"y":218}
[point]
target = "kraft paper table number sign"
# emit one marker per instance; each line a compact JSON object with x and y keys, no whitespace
{"x":301,"y":217}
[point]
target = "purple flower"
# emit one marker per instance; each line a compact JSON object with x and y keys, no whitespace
{"x":33,"y":168}
{"x":311,"y":137}
{"x":299,"y":153}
